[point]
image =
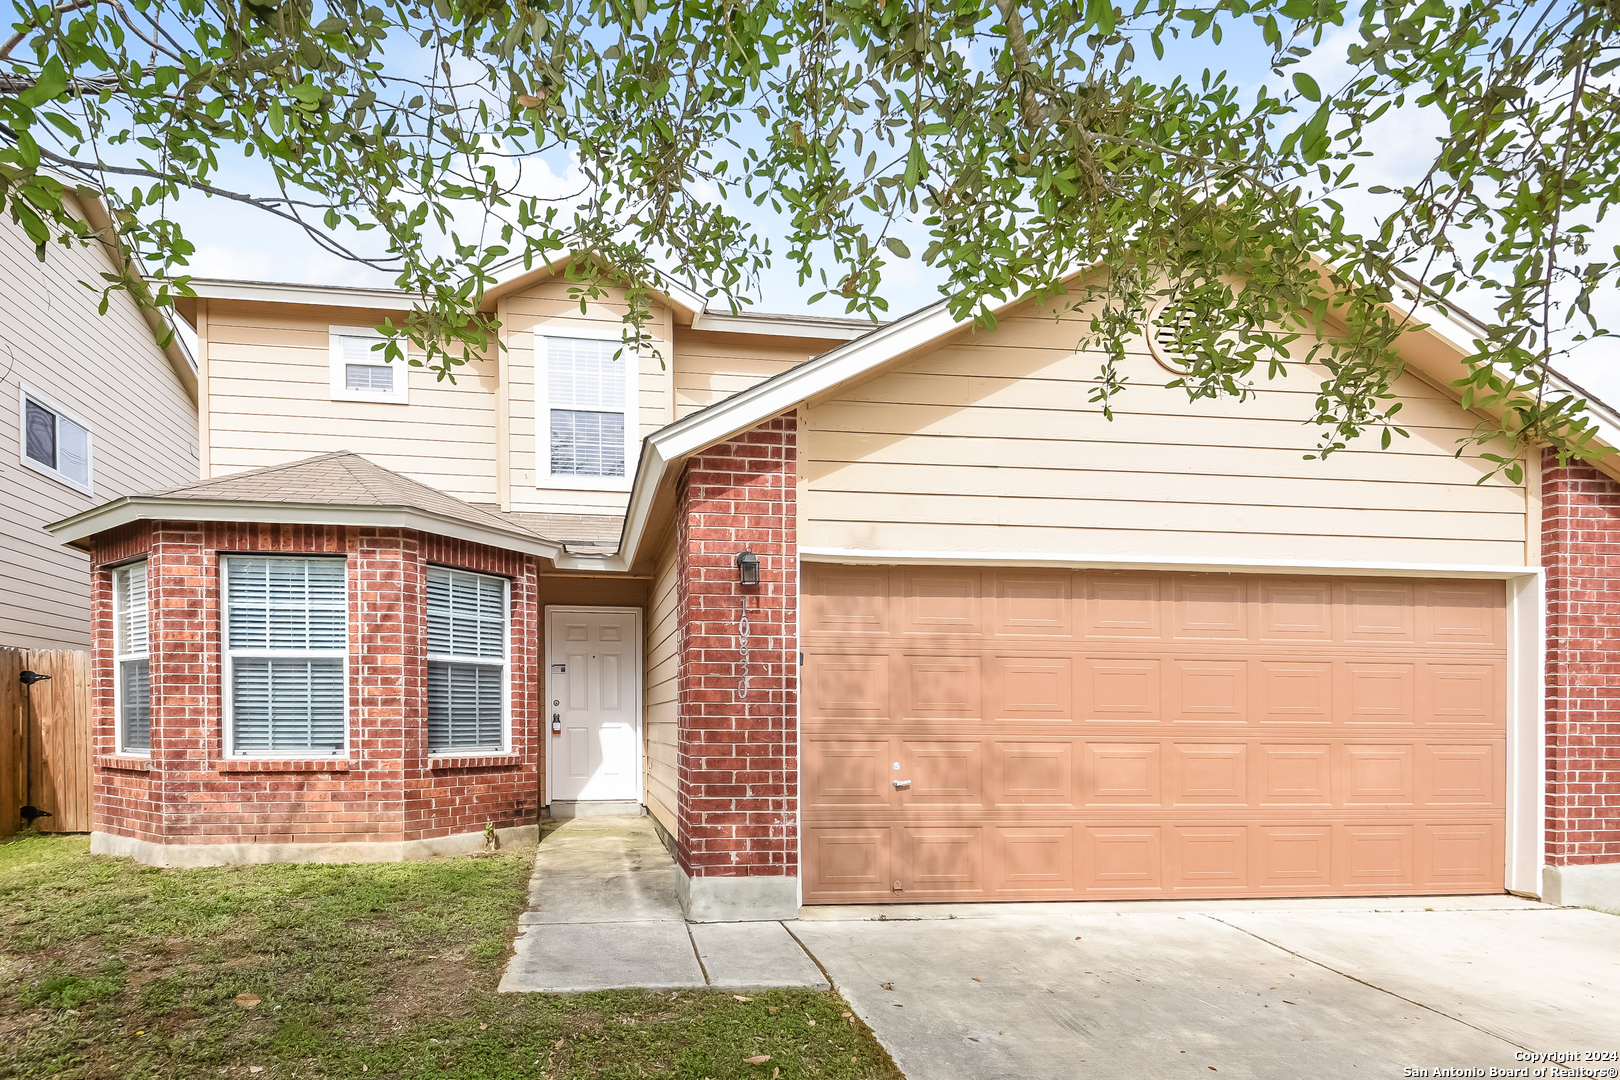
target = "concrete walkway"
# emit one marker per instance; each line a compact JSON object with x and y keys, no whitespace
{"x":604,"y":915}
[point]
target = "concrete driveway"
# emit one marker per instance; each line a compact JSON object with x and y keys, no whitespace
{"x":1241,"y":989}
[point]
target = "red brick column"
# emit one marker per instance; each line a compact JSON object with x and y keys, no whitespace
{"x":1581,"y":555}
{"x":738,"y":795}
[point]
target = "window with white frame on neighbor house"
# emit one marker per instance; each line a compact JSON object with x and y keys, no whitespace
{"x":133,"y":688}
{"x":467,"y":652}
{"x":586,"y":423}
{"x":286,"y":629}
{"x":53,"y":442}
{"x":361,"y":371}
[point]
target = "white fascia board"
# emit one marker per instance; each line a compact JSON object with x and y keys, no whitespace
{"x":137,"y":508}
{"x":1089,"y":560}
{"x":782,"y":326}
{"x":271,"y":292}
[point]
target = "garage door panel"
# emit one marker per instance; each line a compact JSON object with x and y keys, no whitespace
{"x":1122,"y":773}
{"x":1122,"y":860}
{"x":942,"y":685}
{"x":1033,"y":863}
{"x":947,"y":602}
{"x":1122,"y":606}
{"x":1295,"y":693}
{"x":1210,"y":608}
{"x":1029,"y":688}
{"x":1210,"y":860}
{"x":1209,"y":774}
{"x":1381,"y":612}
{"x":1033,"y":604}
{"x":941,"y":773}
{"x":1295,"y":611}
{"x":1373,"y":857}
{"x":1378,"y":694}
{"x":941,"y":863}
{"x":1125,"y":690}
{"x":1033,"y":773}
{"x":1207,"y":691}
{"x":848,"y":773}
{"x":1464,"y":695}
{"x":1129,"y":735}
{"x":847,"y":600}
{"x":850,"y":865}
{"x":845,"y":685}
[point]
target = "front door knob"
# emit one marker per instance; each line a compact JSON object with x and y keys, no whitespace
{"x":902,"y":785}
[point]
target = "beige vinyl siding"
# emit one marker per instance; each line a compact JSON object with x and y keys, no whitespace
{"x":660,"y":727}
{"x":547,"y":308}
{"x":711,"y":366}
{"x":989,"y":444}
{"x":104,"y":370}
{"x":270,"y":402}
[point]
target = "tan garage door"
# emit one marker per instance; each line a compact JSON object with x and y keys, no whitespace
{"x":973,"y":734}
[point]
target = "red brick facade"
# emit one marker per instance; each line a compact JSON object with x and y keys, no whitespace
{"x":1581,"y":554}
{"x":387,"y":788}
{"x":738,"y":792}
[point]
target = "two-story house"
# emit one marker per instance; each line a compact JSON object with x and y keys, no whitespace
{"x":857,"y":614}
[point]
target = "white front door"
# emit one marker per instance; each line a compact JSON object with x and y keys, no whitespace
{"x":593,"y":671}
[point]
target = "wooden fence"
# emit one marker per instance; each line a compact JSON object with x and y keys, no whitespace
{"x":45,"y":743}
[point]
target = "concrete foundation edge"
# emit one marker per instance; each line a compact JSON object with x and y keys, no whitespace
{"x":619,"y":808}
{"x":187,"y":855}
{"x":1593,"y":886}
{"x":738,"y":899}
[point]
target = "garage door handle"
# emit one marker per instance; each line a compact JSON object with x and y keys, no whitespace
{"x":901,"y":785}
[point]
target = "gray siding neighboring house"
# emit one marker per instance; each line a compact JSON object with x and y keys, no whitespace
{"x":118,"y":414}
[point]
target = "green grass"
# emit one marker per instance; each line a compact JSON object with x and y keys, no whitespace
{"x":109,"y":969}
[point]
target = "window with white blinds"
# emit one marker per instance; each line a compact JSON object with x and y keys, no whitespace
{"x":359,"y":370}
{"x":587,"y":397}
{"x":131,"y":646}
{"x":466,"y":632}
{"x":286,"y":648}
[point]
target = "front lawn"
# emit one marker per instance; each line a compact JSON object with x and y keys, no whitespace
{"x":109,"y":969}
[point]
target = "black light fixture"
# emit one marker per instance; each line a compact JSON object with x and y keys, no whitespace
{"x":747,"y":567}
{"x":29,"y":678}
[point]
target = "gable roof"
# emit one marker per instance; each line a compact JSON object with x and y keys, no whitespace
{"x":340,"y":488}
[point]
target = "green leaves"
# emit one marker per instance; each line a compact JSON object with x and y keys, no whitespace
{"x":1307,"y":86}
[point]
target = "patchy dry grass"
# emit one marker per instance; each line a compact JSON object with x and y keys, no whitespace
{"x":109,"y":969}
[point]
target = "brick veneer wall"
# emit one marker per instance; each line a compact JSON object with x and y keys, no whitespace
{"x":387,"y":789}
{"x":1581,"y":553}
{"x":737,"y":804}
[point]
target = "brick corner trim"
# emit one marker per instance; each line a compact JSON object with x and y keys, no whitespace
{"x":1580,"y":546}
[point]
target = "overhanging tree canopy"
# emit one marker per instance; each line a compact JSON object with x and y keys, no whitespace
{"x":1029,"y":139}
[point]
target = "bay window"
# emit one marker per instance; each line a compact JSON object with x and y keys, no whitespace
{"x":467,"y":650}
{"x":132,"y":690}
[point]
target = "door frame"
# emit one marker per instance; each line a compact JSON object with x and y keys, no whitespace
{"x":546,"y":688}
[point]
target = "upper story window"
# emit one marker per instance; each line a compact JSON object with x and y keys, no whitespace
{"x":286,"y":629}
{"x":53,"y":442}
{"x":133,"y":688}
{"x":586,"y":427}
{"x":466,"y":644}
{"x":359,"y":372}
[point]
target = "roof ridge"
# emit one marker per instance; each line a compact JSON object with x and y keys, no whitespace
{"x":210,"y":481}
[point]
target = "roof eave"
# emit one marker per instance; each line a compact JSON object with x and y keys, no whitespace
{"x":80,"y":528}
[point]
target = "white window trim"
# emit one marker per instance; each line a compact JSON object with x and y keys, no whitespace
{"x":227,"y":654}
{"x":505,"y":666}
{"x":542,"y":412}
{"x":400,"y":395}
{"x":26,"y":393}
{"x":119,"y":659}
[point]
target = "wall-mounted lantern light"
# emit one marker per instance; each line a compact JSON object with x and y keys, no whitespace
{"x":748,"y":568}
